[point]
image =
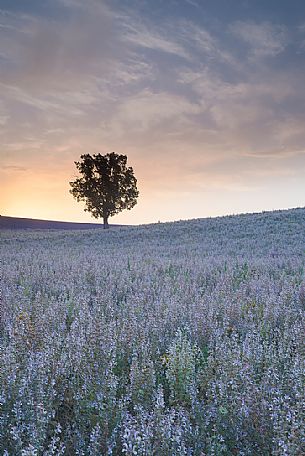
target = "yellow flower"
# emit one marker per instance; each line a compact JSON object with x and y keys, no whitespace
{"x":165,"y":360}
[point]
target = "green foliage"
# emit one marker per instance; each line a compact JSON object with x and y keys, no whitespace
{"x":142,"y":380}
{"x":181,"y":369}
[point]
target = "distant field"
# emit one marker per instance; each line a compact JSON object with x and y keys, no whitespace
{"x":17,"y":223}
{"x":182,"y":338}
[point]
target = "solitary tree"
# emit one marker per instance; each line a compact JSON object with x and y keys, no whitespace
{"x":107,"y":185}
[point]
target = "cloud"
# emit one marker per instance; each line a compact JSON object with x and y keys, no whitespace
{"x":193,"y":3}
{"x":301,"y":36}
{"x":256,"y":115}
{"x":47,"y":54}
{"x":13,"y":168}
{"x":264,"y":39}
{"x":147,"y":111}
{"x":141,"y":36}
{"x":3,"y":119}
{"x":44,"y":102}
{"x":199,"y":37}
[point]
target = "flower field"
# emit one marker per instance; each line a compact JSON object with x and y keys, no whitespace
{"x":182,"y":338}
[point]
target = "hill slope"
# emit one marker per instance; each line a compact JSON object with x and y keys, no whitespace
{"x":166,"y":339}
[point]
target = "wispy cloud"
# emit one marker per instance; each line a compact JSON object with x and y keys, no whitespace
{"x":264,"y":39}
{"x":193,"y":3}
{"x":14,"y":168}
{"x":3,"y":119}
{"x":147,"y":111}
{"x":144,"y":38}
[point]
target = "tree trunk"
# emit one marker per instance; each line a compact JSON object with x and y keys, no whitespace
{"x":106,"y":226}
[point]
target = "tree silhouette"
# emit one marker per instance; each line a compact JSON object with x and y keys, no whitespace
{"x":107,"y":185}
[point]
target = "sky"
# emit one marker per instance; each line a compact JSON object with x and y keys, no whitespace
{"x":205,"y":97}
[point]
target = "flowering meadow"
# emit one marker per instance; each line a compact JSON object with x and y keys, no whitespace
{"x":182,"y":338}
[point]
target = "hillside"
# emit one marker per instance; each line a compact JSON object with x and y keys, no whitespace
{"x":167,"y":339}
{"x":273,"y":233}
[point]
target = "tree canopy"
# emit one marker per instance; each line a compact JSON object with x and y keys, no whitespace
{"x":106,"y":185}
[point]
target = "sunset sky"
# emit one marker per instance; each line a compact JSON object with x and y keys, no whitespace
{"x":205,"y":97}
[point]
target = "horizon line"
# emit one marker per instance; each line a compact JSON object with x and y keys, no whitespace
{"x":152,"y":223}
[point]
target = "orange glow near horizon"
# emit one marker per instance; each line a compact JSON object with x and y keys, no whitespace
{"x":49,"y":198}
